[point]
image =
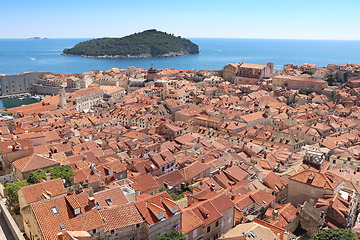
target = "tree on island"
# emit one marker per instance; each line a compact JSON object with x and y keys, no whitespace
{"x":334,"y":234}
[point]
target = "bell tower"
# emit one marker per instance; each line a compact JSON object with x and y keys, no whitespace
{"x":62,"y":97}
{"x":151,"y":75}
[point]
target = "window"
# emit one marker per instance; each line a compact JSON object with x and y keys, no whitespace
{"x":62,"y":227}
{"x":312,"y":190}
{"x":195,"y":233}
{"x":109,"y":202}
{"x":208,"y":229}
{"x":138,"y":225}
{"x":334,"y":161}
{"x":55,"y":210}
{"x":217,"y":224}
{"x":94,"y":231}
{"x":112,"y":231}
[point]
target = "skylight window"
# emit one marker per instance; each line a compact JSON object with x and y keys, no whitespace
{"x":62,"y":227}
{"x":109,"y":202}
{"x":97,"y":206}
{"x":55,"y":210}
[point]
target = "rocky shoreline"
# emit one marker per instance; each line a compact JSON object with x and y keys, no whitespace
{"x":144,"y":55}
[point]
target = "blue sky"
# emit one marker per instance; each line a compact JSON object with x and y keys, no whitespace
{"x":315,"y":19}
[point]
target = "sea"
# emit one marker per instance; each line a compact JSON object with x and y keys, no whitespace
{"x":23,"y":55}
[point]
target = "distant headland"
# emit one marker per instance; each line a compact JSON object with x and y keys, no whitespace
{"x":149,"y":43}
{"x":37,"y":38}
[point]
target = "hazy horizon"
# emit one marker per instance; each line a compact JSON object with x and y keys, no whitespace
{"x":308,"y":20}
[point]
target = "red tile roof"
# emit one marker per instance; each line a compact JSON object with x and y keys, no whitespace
{"x":33,"y":162}
{"x":146,"y":213}
{"x":33,"y":192}
{"x":121,"y":216}
{"x":145,"y":183}
{"x":206,"y":212}
{"x":322,"y":180}
{"x":116,"y":195}
{"x":190,"y":221}
{"x":172,"y":178}
{"x":49,"y":222}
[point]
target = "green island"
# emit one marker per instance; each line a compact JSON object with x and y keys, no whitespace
{"x":149,"y":43}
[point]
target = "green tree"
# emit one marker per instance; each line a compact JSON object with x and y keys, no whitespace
{"x":162,"y":189}
{"x":13,"y":188}
{"x":173,"y":235}
{"x":35,"y":176}
{"x":334,"y":234}
{"x":331,"y":80}
{"x":176,"y":196}
{"x":63,"y":172}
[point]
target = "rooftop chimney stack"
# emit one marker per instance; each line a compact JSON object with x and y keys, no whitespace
{"x":48,"y":178}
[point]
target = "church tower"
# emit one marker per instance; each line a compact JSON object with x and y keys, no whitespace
{"x":62,"y":97}
{"x":151,"y":76}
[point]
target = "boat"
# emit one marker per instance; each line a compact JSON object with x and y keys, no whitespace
{"x":38,"y":97}
{"x":21,"y":98}
{"x":32,"y":59}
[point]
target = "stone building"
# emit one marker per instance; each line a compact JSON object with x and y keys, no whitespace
{"x":247,"y":73}
{"x":302,"y":83}
{"x":47,"y":219}
{"x":19,"y":83}
{"x":151,"y":75}
{"x":160,"y":213}
{"x":309,"y":186}
{"x":124,"y":222}
{"x":84,"y":99}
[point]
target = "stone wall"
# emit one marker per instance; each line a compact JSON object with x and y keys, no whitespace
{"x":17,"y":234}
{"x":45,"y":90}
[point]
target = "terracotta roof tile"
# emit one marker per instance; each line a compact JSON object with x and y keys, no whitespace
{"x":33,"y":192}
{"x":190,"y":221}
{"x":50,"y":214}
{"x":145,"y":182}
{"x":116,"y":196}
{"x":33,"y":162}
{"x":121,"y":216}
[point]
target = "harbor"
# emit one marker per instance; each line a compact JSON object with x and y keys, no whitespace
{"x":19,"y":100}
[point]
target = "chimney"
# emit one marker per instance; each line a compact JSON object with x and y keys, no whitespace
{"x":275,"y":215}
{"x":357,"y":181}
{"x":267,"y":110}
{"x":48,"y":176}
{"x":189,"y":200}
{"x":159,"y":147}
{"x":278,"y":236}
{"x":60,"y":236}
{"x":198,"y":140}
{"x":286,"y":236}
{"x":331,"y":203}
{"x":256,"y":107}
{"x":91,"y":201}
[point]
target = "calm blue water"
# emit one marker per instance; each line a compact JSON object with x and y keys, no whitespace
{"x":16,"y":54}
{"x":15,"y":102}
